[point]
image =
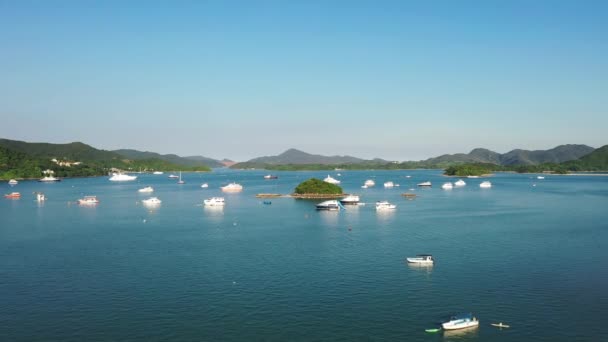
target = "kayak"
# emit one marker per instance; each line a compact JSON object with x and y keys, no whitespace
{"x":500,"y":325}
{"x":434,"y":330}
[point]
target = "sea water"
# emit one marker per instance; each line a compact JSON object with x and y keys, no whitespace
{"x":527,"y":252}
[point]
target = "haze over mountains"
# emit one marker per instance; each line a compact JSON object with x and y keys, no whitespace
{"x":172,"y":158}
{"x":294,"y":156}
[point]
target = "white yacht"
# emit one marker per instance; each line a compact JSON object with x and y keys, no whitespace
{"x":350,"y":199}
{"x":385,"y":205}
{"x":389,"y":184}
{"x":331,"y":180}
{"x":427,"y":183}
{"x":447,"y":186}
{"x":459,"y":182}
{"x":151,"y":201}
{"x":88,"y":200}
{"x":423,"y":259}
{"x":331,"y":205}
{"x":204,"y":185}
{"x":121,"y":177}
{"x":146,"y":189}
{"x":49,"y":179}
{"x":460,"y":322}
{"x":369,"y":183}
{"x":13,"y":182}
{"x":485,"y":184}
{"x":214,"y":202}
{"x":232,"y":187}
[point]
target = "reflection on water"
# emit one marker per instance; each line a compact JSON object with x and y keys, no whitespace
{"x":329,"y":217}
{"x":151,"y":207}
{"x":427,"y":268}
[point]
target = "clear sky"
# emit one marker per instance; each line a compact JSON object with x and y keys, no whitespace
{"x":401,"y":80}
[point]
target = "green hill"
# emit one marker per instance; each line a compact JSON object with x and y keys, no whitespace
{"x":317,"y":187}
{"x":594,"y":161}
{"x":171,"y":158}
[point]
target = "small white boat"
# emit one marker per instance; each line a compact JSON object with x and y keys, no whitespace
{"x":173,"y":176}
{"x":204,"y":185}
{"x":214,"y":202}
{"x":389,"y":184}
{"x":461,"y":321}
{"x":88,"y":200}
{"x":146,"y":189}
{"x":472,"y":176}
{"x":49,"y":179}
{"x":13,"y":182}
{"x":425,"y":259}
{"x":369,"y":183}
{"x":485,"y":184}
{"x":385,"y":205}
{"x":15,"y":195}
{"x":271,"y":177}
{"x":540,"y":177}
{"x":350,"y":199}
{"x":332,"y":205}
{"x":331,"y":180}
{"x":151,"y":201}
{"x":232,"y":187}
{"x":459,"y":182}
{"x":447,"y":186}
{"x":427,"y":183}
{"x":363,"y":186}
{"x":157,"y":173}
{"x":40,"y":197}
{"x":121,"y":177}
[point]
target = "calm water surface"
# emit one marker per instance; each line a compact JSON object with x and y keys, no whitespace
{"x":534,"y":257}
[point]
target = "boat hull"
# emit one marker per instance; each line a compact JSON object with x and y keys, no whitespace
{"x":460,"y":325}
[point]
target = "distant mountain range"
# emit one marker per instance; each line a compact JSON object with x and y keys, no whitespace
{"x":293,"y":156}
{"x":556,"y":155}
{"x":172,"y":158}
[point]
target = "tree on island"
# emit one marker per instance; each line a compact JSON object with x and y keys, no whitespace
{"x":317,"y":186}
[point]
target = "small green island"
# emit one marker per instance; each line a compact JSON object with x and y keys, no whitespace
{"x":316,"y":188}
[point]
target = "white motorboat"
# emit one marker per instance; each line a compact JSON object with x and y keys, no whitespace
{"x":461,"y":321}
{"x":472,"y":176}
{"x":173,"y":176}
{"x":157,"y":173}
{"x":121,"y":177}
{"x":88,"y":200}
{"x":389,"y":184}
{"x":447,"y":186}
{"x":151,"y":201}
{"x":214,"y":202}
{"x":485,"y":184}
{"x":385,"y":205}
{"x":40,"y":197}
{"x":331,"y":205}
{"x":271,"y":177}
{"x":369,"y":183}
{"x":49,"y":179}
{"x":350,"y":199}
{"x":232,"y":187}
{"x":422,"y":259}
{"x":146,"y":189}
{"x":427,"y":183}
{"x":204,"y":185}
{"x":13,"y":182}
{"x":459,"y":182}
{"x":331,"y":180}
{"x":540,"y":177}
{"x":363,"y":186}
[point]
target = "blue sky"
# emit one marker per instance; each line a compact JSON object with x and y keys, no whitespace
{"x":401,"y":80}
